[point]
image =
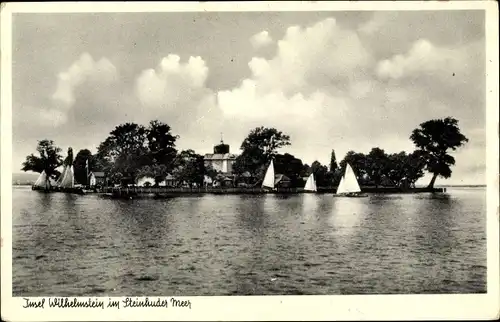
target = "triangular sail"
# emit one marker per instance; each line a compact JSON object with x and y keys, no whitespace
{"x":61,"y":177}
{"x":349,"y":183}
{"x":310,"y":183}
{"x":341,"y":188}
{"x":42,"y":180}
{"x":269,"y":177}
{"x":68,"y":180}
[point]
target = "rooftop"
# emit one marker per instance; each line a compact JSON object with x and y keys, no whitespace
{"x":219,"y":156}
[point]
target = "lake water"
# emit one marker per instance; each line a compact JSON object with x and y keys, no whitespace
{"x":72,"y":245}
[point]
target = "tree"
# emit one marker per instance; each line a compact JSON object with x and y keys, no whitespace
{"x":376,"y":165}
{"x":290,"y":166}
{"x":265,"y":140}
{"x":320,"y":174}
{"x":49,"y":160}
{"x":189,"y":167}
{"x":433,"y":139}
{"x":80,"y":163}
{"x":210,"y":171}
{"x":161,"y":143}
{"x":415,"y":166}
{"x":258,"y":148}
{"x":125,"y":150}
{"x":358,"y":162}
{"x":251,"y":160}
{"x":333,"y":162}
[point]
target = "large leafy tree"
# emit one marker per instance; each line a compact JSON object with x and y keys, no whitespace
{"x":377,"y":165}
{"x":290,"y":166}
{"x":251,"y":160}
{"x":266,"y":140}
{"x":189,"y":167}
{"x":125,"y":150}
{"x":406,"y":169}
{"x":414,"y":167}
{"x":434,"y":139}
{"x":161,"y":144}
{"x":49,"y":159}
{"x":321,"y":174}
{"x":358,"y":162}
{"x":258,"y":148}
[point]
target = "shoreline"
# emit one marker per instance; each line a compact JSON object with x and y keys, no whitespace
{"x":163,"y":192}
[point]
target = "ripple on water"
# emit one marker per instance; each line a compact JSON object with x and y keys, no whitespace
{"x":146,"y":278}
{"x":246,"y":245}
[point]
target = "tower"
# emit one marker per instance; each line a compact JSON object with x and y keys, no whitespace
{"x":221,"y":148}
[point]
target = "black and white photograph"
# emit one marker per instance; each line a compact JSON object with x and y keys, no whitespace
{"x":248,"y":152}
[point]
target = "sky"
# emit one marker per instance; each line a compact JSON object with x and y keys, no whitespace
{"x":331,"y":80}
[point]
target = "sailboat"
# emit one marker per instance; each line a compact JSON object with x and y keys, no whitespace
{"x":61,"y":176}
{"x":42,"y":183}
{"x":68,"y":178}
{"x":349,"y":186}
{"x":310,"y":184}
{"x":66,"y":182}
{"x":268,"y":181}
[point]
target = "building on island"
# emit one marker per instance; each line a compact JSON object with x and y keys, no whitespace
{"x":97,"y":179}
{"x":169,"y":181}
{"x":282,"y":181}
{"x":146,"y":182}
{"x":221,"y":160}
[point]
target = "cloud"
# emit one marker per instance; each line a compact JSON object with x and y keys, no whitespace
{"x":175,"y":92}
{"x":328,"y":90}
{"x":171,"y":82}
{"x":308,"y":89}
{"x":83,"y":70}
{"x":423,"y":59}
{"x":261,"y":39}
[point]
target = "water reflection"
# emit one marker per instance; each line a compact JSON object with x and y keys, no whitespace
{"x":347,"y":214}
{"x":310,"y":204}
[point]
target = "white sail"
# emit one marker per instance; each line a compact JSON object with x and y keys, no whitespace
{"x":341,"y":188}
{"x":269,"y":177}
{"x":310,"y":183}
{"x":61,"y":177}
{"x":68,"y":180}
{"x":42,"y":180}
{"x":72,"y":176}
{"x":349,"y":183}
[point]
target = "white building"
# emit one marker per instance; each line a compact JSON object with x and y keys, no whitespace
{"x":146,"y":181}
{"x":221,"y":160}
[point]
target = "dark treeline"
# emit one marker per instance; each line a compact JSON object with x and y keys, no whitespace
{"x":132,"y":151}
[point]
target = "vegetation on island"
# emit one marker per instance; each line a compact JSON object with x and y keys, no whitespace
{"x":132,"y":151}
{"x":48,"y":160}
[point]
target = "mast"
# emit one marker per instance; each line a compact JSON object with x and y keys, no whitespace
{"x":87,"y":171}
